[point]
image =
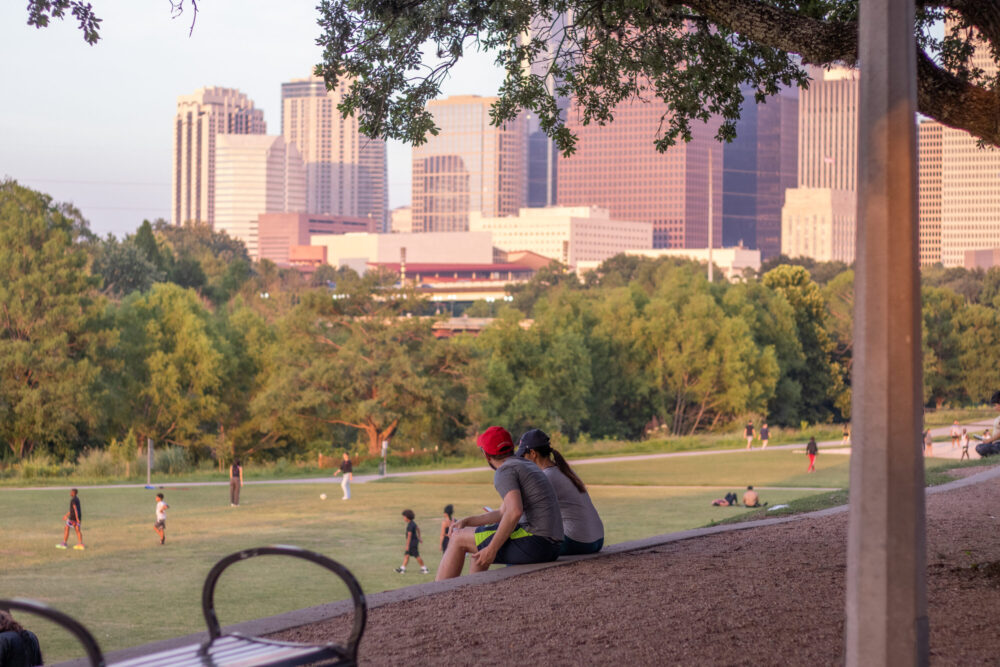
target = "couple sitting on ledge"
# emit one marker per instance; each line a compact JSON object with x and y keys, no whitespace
{"x":545,"y":510}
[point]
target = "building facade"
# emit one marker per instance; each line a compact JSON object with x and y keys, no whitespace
{"x":254,"y":175}
{"x":617,"y":167}
{"x":470,"y":166}
{"x":200,"y":118}
{"x":758,"y":166}
{"x":827,"y":170}
{"x":345,"y":170}
{"x":929,"y":189}
{"x":277,"y":233}
{"x":970,"y":186}
{"x":357,"y":251}
{"x":567,"y":234}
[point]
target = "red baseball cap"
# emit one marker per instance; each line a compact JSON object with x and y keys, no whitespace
{"x":495,"y":441}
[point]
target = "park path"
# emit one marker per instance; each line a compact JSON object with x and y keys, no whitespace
{"x":942,"y":450}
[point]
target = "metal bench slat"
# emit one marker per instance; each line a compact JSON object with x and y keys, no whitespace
{"x":237,"y":651}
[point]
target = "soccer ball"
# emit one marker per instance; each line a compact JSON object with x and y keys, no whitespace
{"x":322,"y":496}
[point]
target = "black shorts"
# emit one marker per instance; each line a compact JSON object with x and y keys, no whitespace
{"x":444,"y":543}
{"x":520,"y":548}
{"x":414,"y":550}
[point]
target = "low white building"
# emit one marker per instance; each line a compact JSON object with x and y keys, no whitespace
{"x":731,"y":261}
{"x":358,"y":250}
{"x":569,"y":234}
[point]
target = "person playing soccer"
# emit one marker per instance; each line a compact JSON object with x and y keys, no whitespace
{"x":412,"y":544}
{"x":526,"y":529}
{"x":73,"y":519}
{"x":347,"y":469}
{"x":161,"y":518}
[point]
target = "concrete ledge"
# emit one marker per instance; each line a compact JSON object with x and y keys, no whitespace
{"x":309,"y":615}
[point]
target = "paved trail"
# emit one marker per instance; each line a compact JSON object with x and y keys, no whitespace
{"x":943,"y":450}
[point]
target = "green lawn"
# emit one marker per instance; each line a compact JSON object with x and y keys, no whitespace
{"x":129,"y":590}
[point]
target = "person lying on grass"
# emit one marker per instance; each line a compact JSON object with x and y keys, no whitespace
{"x":497,"y":536}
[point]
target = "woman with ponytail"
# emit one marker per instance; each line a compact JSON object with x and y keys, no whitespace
{"x":582,"y":526}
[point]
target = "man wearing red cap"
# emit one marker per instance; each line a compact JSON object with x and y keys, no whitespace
{"x":526,"y":529}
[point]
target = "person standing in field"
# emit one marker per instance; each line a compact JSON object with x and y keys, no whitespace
{"x":812,"y":449}
{"x":748,"y":433}
{"x":161,"y":518}
{"x":765,"y":435}
{"x":446,"y":523}
{"x":348,"y":471}
{"x":413,"y":541}
{"x":235,"y":483}
{"x":73,"y":519}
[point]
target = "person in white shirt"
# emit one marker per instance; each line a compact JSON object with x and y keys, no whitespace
{"x":161,"y":518}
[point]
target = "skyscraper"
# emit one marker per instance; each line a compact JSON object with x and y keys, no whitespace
{"x":758,"y":166}
{"x":929,"y":197}
{"x":469,"y":166}
{"x":819,"y":217}
{"x":200,"y":118}
{"x":345,"y":171}
{"x":970,"y":186}
{"x":617,"y":167}
{"x":254,"y":175}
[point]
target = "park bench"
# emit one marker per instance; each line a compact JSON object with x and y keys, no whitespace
{"x":220,"y":649}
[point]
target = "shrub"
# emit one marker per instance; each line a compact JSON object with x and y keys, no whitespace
{"x":40,"y":466}
{"x":171,"y":460}
{"x":96,"y":464}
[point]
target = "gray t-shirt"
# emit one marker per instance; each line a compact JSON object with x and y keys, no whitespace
{"x":581,"y":521}
{"x":541,"y":505}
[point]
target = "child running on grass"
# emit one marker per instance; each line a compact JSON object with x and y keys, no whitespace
{"x":161,"y":518}
{"x":412,"y":544}
{"x":73,"y":518}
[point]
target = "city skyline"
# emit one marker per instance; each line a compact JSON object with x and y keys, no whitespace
{"x":113,"y":161}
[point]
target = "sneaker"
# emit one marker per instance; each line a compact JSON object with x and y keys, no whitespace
{"x":401,"y":570}
{"x":61,"y":545}
{"x":424,"y":570}
{"x":78,"y":547}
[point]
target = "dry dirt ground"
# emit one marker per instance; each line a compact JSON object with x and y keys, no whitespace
{"x":772,"y":595}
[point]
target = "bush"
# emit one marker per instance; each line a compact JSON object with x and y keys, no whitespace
{"x":171,"y":460}
{"x":96,"y":464}
{"x":40,"y":466}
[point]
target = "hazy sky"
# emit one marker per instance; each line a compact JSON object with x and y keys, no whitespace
{"x":91,"y":125}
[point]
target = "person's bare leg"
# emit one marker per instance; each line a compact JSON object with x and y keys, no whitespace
{"x":462,"y":542}
{"x":79,"y":535}
{"x":66,"y":534}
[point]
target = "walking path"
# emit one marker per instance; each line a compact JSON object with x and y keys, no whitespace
{"x":941,"y":450}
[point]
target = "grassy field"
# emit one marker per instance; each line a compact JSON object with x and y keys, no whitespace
{"x":129,"y":590}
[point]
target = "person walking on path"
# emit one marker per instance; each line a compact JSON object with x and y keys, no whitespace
{"x":235,"y":483}
{"x":500,"y":536}
{"x":748,"y":433}
{"x":956,"y":435}
{"x":765,"y":435}
{"x":413,"y":541}
{"x":846,"y":433}
{"x":348,"y":471}
{"x":161,"y":518}
{"x":73,"y":519}
{"x":583,"y":530}
{"x":928,"y":443}
{"x":964,"y":439}
{"x":812,"y":449}
{"x":446,"y":524}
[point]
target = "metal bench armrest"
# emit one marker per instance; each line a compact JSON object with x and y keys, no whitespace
{"x":81,"y":633}
{"x":360,"y":605}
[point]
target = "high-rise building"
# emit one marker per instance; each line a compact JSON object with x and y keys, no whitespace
{"x":758,"y":166}
{"x":970,"y":186}
{"x":542,"y":155}
{"x":255,"y":175}
{"x":345,"y":170}
{"x":469,"y":166}
{"x":929,"y":197}
{"x":617,"y":167}
{"x":819,"y":217}
{"x":200,"y":118}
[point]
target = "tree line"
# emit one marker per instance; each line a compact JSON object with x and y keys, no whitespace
{"x":174,"y":334}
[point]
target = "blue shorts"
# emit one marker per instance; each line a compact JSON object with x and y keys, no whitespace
{"x":571,"y":547}
{"x":520,"y":548}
